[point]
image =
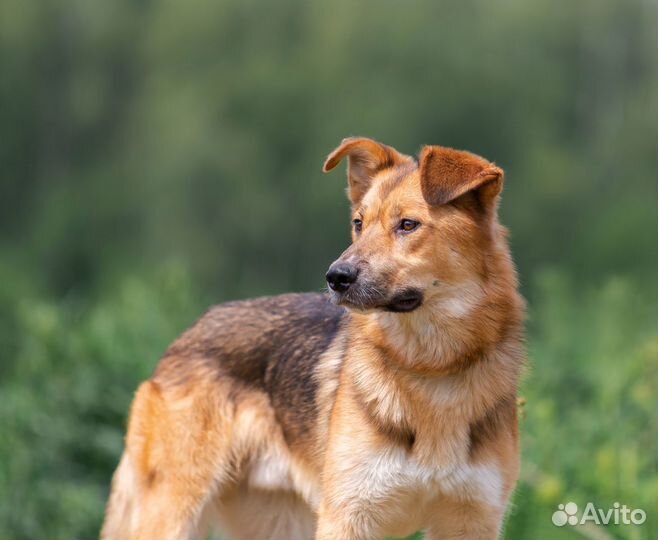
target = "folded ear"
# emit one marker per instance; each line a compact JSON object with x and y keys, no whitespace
{"x":366,"y":158}
{"x":446,"y":174}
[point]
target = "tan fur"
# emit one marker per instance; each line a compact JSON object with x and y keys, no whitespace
{"x":389,"y":423}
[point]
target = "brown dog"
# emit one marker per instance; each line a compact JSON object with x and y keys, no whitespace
{"x":389,"y":410}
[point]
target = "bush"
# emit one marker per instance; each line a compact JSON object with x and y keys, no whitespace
{"x":589,"y":430}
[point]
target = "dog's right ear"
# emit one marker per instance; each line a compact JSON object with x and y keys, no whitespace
{"x":366,"y":158}
{"x":447,"y":174}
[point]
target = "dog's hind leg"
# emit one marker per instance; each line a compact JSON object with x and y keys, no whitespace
{"x":176,"y":456}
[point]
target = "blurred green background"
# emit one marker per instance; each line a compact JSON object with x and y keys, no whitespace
{"x":157,"y":157}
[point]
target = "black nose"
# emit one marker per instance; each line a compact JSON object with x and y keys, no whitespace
{"x":341,"y":275}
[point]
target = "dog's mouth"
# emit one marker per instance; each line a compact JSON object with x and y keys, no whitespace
{"x":366,"y":300}
{"x":405,"y":301}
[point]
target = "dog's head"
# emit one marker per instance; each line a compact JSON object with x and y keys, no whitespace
{"x":423,"y":230}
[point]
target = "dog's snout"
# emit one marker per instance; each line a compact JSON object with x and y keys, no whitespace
{"x":341,"y":275}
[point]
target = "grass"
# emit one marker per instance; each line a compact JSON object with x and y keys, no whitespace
{"x":70,"y":368}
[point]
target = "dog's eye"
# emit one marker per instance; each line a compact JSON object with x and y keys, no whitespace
{"x":408,"y":225}
{"x":358,"y":224}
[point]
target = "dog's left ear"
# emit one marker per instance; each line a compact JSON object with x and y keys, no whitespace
{"x":366,"y":157}
{"x":446,"y":174}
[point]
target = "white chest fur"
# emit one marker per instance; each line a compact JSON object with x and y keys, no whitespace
{"x":394,"y":470}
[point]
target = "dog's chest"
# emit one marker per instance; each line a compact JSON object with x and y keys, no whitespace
{"x":396,"y":470}
{"x":407,"y":490}
{"x":398,"y":473}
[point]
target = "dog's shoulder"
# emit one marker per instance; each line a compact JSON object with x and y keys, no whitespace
{"x":271,"y":344}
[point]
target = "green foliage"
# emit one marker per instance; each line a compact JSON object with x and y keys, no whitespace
{"x":138,"y":131}
{"x":66,"y":390}
{"x":589,"y":428}
{"x":134,"y":133}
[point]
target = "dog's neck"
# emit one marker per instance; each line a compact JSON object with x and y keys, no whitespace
{"x":448,"y":336}
{"x":406,"y":367}
{"x":447,"y":333}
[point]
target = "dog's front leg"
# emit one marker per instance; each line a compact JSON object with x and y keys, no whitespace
{"x":461,"y":520}
{"x":345,"y":523}
{"x":361,"y":492}
{"x":355,"y":486}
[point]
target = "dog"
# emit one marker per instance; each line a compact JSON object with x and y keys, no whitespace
{"x":384,"y":407}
